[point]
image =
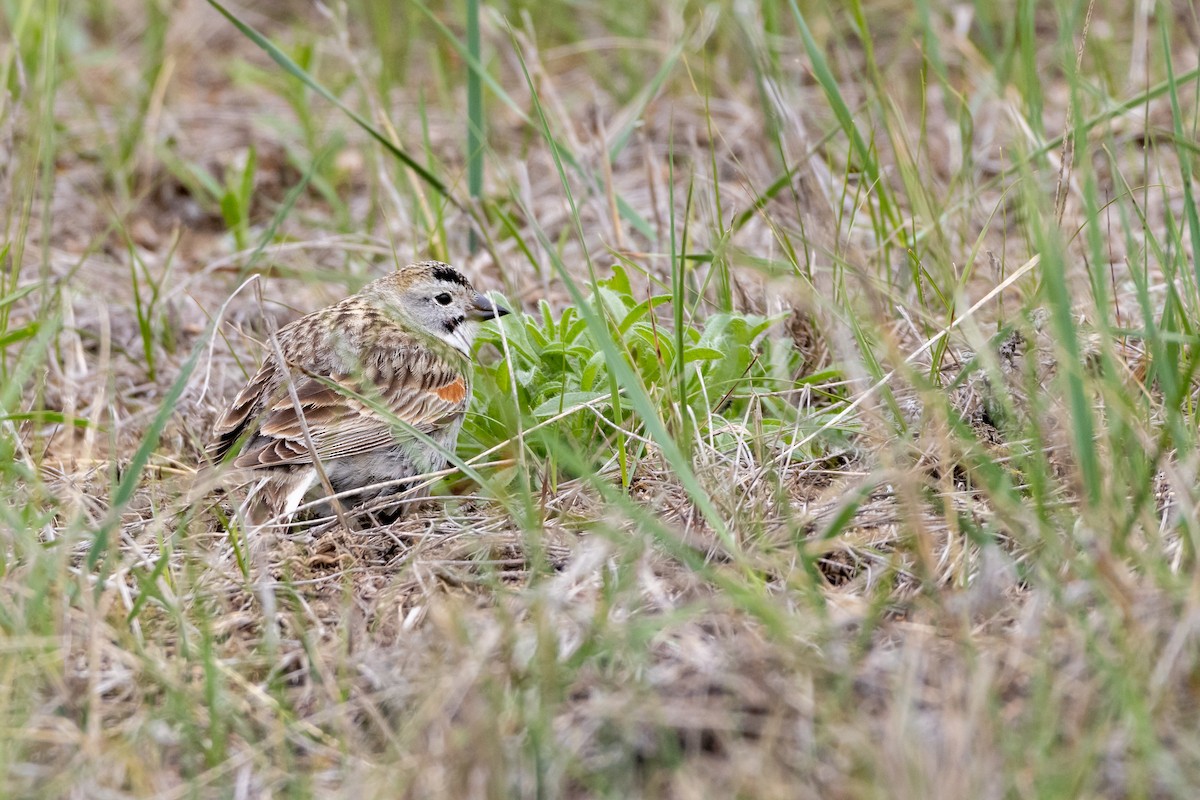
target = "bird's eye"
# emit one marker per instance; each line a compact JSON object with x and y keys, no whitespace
{"x":443,"y":298}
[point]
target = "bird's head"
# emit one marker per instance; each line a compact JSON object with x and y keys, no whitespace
{"x":438,"y":299}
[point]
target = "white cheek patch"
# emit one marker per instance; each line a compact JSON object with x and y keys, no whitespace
{"x":461,"y":338}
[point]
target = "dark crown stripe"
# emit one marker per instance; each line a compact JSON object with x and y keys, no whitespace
{"x":449,"y":275}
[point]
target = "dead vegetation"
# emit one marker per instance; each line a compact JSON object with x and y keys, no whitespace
{"x":922,"y":594}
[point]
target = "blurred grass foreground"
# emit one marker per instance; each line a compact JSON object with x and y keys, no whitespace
{"x":845,"y":444}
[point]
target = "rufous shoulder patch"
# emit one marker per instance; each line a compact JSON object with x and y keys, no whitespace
{"x":453,"y":392}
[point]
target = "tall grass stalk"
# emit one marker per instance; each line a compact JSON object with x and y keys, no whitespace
{"x":476,"y":132}
{"x":841,"y":442}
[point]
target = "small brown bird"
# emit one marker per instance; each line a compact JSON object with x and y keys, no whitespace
{"x":399,"y":348}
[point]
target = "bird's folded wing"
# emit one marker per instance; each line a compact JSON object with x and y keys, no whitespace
{"x":348,"y":415}
{"x":232,"y":425}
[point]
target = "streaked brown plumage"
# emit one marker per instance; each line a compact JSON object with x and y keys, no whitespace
{"x":400,"y":347}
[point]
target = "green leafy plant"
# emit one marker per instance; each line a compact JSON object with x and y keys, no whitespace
{"x":555,"y":380}
{"x":236,"y":197}
{"x":232,"y":196}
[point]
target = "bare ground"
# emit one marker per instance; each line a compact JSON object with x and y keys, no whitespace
{"x":432,"y":658}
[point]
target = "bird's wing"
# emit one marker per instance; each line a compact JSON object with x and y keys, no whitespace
{"x":234,"y":423}
{"x":418,"y":387}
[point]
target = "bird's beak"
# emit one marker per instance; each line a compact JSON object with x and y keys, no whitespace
{"x":485,"y":309}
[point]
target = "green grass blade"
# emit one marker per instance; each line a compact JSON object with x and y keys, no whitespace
{"x":476,"y":133}
{"x":292,"y":68}
{"x":833,"y":94}
{"x":619,"y":366}
{"x":627,"y":212}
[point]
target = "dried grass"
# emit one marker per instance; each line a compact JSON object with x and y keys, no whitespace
{"x":459,"y":654}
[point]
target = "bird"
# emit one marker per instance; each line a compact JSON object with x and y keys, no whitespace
{"x":320,"y":413}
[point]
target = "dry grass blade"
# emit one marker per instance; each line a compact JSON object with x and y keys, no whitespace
{"x":750,"y":500}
